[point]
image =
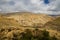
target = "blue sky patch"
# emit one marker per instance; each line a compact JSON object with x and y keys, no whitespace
{"x":46,"y":1}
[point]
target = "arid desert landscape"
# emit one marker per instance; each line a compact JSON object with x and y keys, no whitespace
{"x":29,"y":26}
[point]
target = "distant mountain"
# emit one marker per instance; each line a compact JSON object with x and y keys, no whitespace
{"x":30,"y":19}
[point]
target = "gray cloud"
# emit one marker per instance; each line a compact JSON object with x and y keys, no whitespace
{"x":36,"y":6}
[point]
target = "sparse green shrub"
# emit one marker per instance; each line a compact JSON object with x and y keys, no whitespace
{"x":29,"y":35}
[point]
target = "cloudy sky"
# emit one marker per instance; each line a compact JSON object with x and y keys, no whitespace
{"x":36,"y":6}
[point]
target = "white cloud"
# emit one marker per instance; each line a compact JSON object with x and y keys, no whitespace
{"x":36,"y":6}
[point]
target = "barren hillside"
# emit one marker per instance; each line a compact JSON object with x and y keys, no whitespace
{"x":31,"y":19}
{"x":8,"y":22}
{"x":55,"y":24}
